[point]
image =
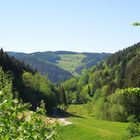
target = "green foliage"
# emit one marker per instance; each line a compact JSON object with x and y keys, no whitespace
{"x":101,"y":109}
{"x":78,"y":90}
{"x":133,"y":127}
{"x":16,"y":121}
{"x":71,"y":90}
{"x":71,"y":84}
{"x":136,"y":24}
{"x":128,"y":100}
{"x":133,"y":72}
{"x":62,"y":98}
{"x":83,"y":80}
{"x":41,"y":110}
{"x":37,"y":88}
{"x":71,"y":97}
{"x":120,"y":71}
{"x":85,"y":94}
{"x":82,"y":110}
{"x":120,"y":105}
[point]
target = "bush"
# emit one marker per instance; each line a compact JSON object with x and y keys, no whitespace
{"x":101,"y":109}
{"x":133,"y":127}
{"x":126,"y":102}
{"x":120,"y":105}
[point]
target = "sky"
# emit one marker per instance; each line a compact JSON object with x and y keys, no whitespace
{"x":70,"y":25}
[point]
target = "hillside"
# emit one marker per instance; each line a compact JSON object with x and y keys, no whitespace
{"x":19,"y":85}
{"x":44,"y":64}
{"x":60,"y":65}
{"x":109,"y":90}
{"x":113,"y":86}
{"x":88,"y":128}
{"x":28,"y":85}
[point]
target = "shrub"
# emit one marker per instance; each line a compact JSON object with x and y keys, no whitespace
{"x":124,"y":103}
{"x":120,"y":105}
{"x":133,"y":127}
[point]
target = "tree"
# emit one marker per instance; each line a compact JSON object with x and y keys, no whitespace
{"x":136,"y":24}
{"x":62,"y":97}
{"x":133,"y":127}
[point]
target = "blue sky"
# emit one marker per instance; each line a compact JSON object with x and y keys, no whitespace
{"x":72,"y":25}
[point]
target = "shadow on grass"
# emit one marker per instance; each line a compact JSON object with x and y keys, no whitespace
{"x":59,"y":113}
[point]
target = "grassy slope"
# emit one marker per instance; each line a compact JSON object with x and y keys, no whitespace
{"x":89,"y":128}
{"x":92,"y":129}
{"x":70,"y":62}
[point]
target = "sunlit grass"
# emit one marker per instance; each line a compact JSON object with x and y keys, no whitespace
{"x":89,"y":128}
{"x":70,"y":62}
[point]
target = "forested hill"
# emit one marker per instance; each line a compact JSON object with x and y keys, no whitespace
{"x":60,"y":65}
{"x":44,"y":64}
{"x":125,"y":67}
{"x":28,"y":85}
{"x":113,"y":85}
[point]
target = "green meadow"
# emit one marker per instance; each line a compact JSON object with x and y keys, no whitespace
{"x":89,"y":128}
{"x":70,"y":62}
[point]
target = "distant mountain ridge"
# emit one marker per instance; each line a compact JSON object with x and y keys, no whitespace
{"x":60,"y":65}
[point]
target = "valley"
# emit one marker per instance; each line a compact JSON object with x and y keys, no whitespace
{"x":101,"y":102}
{"x":60,"y":65}
{"x":69,"y":70}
